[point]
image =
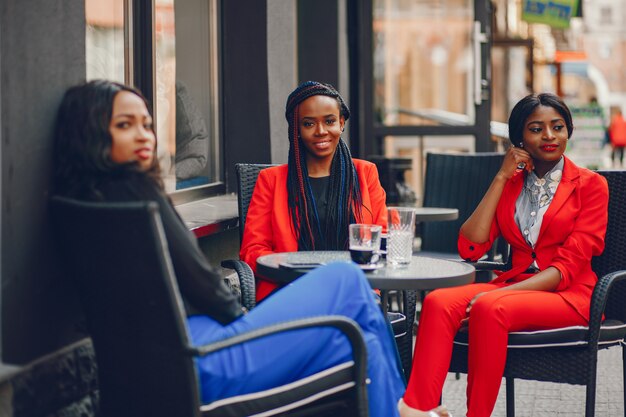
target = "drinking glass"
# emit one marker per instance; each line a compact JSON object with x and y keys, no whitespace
{"x":365,"y":243}
{"x":400,"y":234}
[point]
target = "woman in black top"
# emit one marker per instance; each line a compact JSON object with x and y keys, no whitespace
{"x":105,"y":150}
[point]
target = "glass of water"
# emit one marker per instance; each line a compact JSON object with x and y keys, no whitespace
{"x":400,"y":234}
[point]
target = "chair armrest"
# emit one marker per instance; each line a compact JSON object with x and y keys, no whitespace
{"x":599,"y":299}
{"x":346,"y":325}
{"x":246,"y":281}
{"x":489,"y":265}
{"x":495,"y":266}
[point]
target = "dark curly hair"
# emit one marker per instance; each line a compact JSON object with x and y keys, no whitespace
{"x":82,"y":141}
{"x":526,"y":106}
{"x":344,"y":194}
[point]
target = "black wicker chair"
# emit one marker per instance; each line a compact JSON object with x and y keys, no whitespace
{"x":569,"y":355}
{"x":120,"y":263}
{"x":459,"y":181}
{"x":247,"y":175}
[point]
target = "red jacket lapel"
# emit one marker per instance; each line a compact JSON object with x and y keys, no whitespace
{"x":569,"y":182}
{"x":511,"y":192}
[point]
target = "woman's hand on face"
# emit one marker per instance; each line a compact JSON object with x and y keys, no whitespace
{"x":516,"y":160}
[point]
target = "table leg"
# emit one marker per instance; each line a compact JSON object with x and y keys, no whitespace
{"x":403,"y":331}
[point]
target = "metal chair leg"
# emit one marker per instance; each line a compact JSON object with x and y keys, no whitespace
{"x":510,"y":397}
{"x":624,"y":374}
{"x":590,"y":403}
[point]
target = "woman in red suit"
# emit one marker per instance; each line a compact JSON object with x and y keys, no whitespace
{"x":554,"y":216}
{"x":308,"y":203}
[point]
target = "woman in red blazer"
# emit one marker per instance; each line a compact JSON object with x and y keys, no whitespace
{"x":308,"y":203}
{"x":554,"y":216}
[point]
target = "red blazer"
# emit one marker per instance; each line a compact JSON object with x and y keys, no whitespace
{"x":572,"y":231}
{"x":268,"y":226}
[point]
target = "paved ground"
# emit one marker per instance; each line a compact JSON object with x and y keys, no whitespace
{"x":544,"y":399}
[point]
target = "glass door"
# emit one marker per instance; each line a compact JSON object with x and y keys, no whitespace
{"x":423,"y":78}
{"x":423,"y":62}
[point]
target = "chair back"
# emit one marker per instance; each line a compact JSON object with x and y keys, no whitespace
{"x":118,"y":257}
{"x":456,"y":181}
{"x":247,"y":175}
{"x":614,"y":256}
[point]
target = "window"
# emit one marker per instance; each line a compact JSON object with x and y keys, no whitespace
{"x":423,"y":63}
{"x":186,"y":97}
{"x":104,"y":41}
{"x":184,"y":68}
{"x":605,"y":15}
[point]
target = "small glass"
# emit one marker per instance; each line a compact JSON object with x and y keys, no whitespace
{"x":365,"y":243}
{"x":400,"y":235}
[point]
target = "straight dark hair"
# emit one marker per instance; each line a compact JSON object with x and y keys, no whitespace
{"x":344,"y":193}
{"x":82,"y":141}
{"x":526,"y":106}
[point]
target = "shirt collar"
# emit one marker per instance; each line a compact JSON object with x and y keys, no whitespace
{"x":554,"y":175}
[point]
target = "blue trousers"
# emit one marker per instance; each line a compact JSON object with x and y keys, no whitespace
{"x":339,"y":288}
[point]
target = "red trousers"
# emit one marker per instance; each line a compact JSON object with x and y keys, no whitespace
{"x":491,"y":318}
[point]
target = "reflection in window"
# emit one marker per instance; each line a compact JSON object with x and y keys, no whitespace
{"x":186,"y":93}
{"x":423,"y":64}
{"x":104,"y":39}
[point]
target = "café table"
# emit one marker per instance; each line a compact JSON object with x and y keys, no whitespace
{"x":423,"y":273}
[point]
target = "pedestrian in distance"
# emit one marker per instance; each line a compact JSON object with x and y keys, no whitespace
{"x":617,"y":136}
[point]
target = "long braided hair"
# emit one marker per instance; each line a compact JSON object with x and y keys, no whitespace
{"x":344,"y":194}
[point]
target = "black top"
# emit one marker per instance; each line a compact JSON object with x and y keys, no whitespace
{"x":319,"y":188}
{"x":201,"y":286}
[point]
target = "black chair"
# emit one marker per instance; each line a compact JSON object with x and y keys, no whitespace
{"x":119,"y":260}
{"x":569,"y":355}
{"x":247,"y":175}
{"x":457,"y":181}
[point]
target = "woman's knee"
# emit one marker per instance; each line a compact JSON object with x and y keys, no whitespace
{"x":436,"y":300}
{"x":488,"y":308}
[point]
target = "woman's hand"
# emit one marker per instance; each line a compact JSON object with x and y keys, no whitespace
{"x":513,"y":161}
{"x":465,"y":320}
{"x":473,"y":300}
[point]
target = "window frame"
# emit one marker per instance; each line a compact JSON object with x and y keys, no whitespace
{"x":142,"y":66}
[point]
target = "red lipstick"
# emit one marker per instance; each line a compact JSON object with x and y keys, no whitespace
{"x":549,"y":148}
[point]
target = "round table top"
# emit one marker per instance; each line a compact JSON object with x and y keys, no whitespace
{"x":423,"y":273}
{"x":426,"y":214}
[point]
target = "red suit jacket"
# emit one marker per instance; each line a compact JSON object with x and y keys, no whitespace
{"x":572,"y":231}
{"x":268,"y":226}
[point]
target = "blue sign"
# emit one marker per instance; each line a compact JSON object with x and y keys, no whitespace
{"x":556,"y":13}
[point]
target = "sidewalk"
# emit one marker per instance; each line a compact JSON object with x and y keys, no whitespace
{"x":545,"y":399}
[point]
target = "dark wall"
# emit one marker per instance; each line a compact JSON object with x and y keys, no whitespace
{"x":42,"y":52}
{"x":318,"y":43}
{"x":246,"y":126}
